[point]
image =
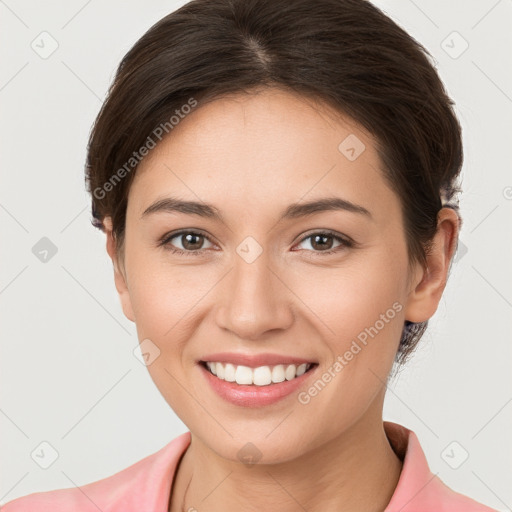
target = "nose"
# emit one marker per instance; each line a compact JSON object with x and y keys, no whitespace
{"x":256,"y":300}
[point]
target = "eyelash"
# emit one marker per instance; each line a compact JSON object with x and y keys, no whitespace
{"x":165,"y":242}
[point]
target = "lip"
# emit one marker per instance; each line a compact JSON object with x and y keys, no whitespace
{"x":254,"y":396}
{"x":253,"y":361}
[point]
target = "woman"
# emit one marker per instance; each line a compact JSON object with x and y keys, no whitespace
{"x":277,"y":183}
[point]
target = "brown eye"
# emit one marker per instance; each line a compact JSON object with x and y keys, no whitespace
{"x":185,"y":242}
{"x":191,"y":241}
{"x":323,"y":242}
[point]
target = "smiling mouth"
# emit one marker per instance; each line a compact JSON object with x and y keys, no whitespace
{"x":260,"y":376}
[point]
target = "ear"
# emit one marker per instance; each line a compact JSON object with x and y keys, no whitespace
{"x":429,"y":284}
{"x":119,"y":274}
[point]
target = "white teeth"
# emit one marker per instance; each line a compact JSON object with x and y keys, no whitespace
{"x":261,"y":376}
{"x":278,"y":373}
{"x":229,"y":373}
{"x":243,"y":375}
{"x":301,"y":370}
{"x":220,"y":370}
{"x":291,"y":370}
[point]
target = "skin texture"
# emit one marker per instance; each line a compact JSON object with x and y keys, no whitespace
{"x":251,"y":155}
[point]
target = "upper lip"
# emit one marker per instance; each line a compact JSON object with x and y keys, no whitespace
{"x":254,"y":360}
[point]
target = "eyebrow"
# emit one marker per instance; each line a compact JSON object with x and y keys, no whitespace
{"x":293,"y":211}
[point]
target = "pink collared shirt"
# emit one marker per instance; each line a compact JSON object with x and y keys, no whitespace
{"x":145,"y":486}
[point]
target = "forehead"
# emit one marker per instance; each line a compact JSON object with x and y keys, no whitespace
{"x":265,"y":148}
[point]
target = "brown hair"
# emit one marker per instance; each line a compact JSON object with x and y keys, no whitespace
{"x":346,"y":53}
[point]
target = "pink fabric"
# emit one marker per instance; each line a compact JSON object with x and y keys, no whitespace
{"x":145,"y":486}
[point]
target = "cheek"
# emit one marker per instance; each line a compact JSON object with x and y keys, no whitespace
{"x":167,"y":297}
{"x":354,"y":298}
{"x":369,"y":302}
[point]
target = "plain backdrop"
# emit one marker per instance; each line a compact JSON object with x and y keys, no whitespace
{"x":69,"y":376}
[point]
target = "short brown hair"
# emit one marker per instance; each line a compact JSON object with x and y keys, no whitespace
{"x":347,"y":53}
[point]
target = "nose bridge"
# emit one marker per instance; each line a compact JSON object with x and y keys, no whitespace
{"x":256,"y":300}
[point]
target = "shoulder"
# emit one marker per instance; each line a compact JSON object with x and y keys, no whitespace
{"x":143,"y":485}
{"x":56,"y":501}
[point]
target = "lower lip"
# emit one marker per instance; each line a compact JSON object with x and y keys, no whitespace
{"x":254,"y":396}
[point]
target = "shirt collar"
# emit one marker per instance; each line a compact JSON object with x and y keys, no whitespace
{"x":417,"y":483}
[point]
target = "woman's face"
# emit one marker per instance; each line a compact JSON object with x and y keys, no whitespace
{"x":255,"y":281}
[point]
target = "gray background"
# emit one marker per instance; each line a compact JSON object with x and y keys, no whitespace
{"x":69,"y":376}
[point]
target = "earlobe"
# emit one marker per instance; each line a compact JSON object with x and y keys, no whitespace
{"x":119,"y":276}
{"x":429,"y":284}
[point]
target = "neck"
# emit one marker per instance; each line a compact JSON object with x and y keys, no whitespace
{"x":358,"y":470}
